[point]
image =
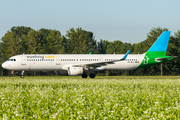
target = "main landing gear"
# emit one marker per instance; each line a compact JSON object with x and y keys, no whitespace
{"x":22,"y":74}
{"x":84,"y":75}
{"x":91,"y":75}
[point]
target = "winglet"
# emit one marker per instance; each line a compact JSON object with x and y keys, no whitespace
{"x":125,"y":56}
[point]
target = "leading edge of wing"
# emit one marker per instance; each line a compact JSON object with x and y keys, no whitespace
{"x":98,"y":64}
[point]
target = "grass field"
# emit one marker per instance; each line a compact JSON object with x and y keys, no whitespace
{"x":101,"y":98}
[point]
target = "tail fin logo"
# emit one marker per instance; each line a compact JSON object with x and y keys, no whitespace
{"x":146,"y":60}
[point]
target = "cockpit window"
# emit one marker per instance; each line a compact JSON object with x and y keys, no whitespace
{"x":11,"y":59}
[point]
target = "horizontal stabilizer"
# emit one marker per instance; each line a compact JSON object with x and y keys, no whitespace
{"x":165,"y":58}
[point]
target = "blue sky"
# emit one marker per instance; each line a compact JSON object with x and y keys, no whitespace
{"x":128,"y":21}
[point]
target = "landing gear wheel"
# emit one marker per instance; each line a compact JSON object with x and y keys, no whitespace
{"x":92,"y":75}
{"x":84,"y":75}
{"x":21,"y":76}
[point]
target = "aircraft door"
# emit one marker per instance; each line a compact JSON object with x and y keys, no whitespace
{"x":100,"y":59}
{"x":58,"y":60}
{"x":23,"y":60}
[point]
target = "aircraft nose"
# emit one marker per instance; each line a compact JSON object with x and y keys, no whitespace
{"x":4,"y":65}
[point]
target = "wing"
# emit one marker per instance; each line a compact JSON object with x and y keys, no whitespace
{"x":99,"y":64}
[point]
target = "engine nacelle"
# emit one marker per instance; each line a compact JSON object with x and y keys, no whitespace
{"x":75,"y":70}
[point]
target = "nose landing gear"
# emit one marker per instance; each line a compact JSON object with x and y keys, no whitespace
{"x":22,"y":74}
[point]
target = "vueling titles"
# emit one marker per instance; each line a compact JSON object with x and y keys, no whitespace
{"x":42,"y":57}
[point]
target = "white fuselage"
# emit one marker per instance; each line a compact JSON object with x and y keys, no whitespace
{"x":36,"y":62}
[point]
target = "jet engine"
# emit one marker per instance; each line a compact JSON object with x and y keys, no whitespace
{"x":75,"y":70}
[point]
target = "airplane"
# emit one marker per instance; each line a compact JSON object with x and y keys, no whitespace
{"x":82,"y":64}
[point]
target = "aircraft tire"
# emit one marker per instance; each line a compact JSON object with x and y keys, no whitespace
{"x":21,"y":76}
{"x":92,"y":75}
{"x":84,"y":75}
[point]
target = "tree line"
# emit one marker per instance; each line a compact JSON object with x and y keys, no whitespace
{"x":21,"y":39}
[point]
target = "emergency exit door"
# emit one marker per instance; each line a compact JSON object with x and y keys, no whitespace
{"x":23,"y":60}
{"x":58,"y":62}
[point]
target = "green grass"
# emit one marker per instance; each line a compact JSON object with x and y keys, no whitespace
{"x":97,"y":77}
{"x":100,"y":98}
